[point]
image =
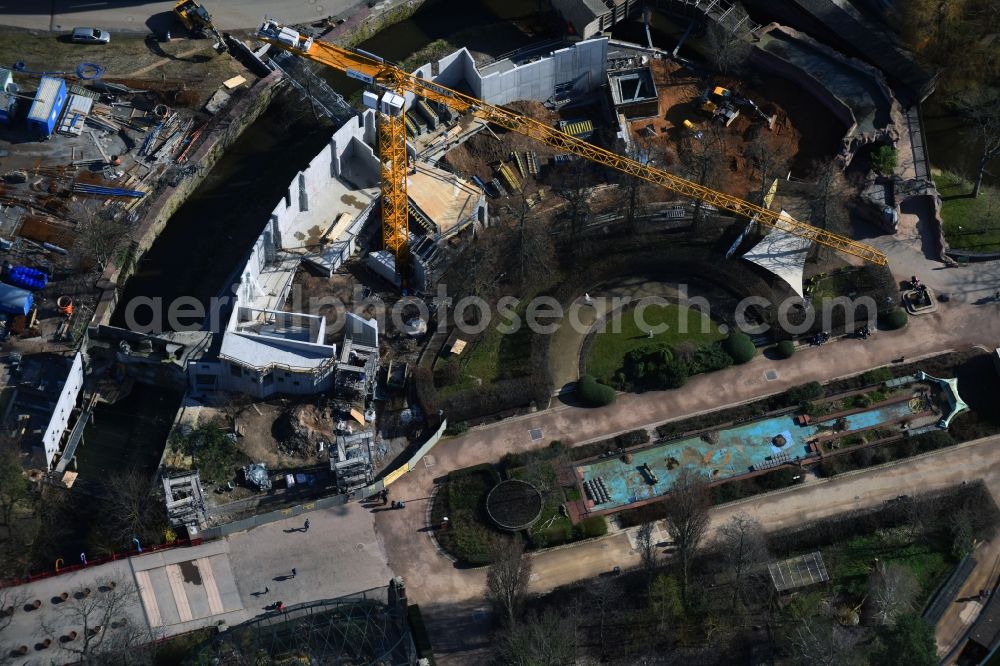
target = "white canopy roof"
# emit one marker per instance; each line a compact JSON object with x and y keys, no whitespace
{"x":783,"y":254}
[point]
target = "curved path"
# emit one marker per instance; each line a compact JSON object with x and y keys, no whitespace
{"x":452,"y":597}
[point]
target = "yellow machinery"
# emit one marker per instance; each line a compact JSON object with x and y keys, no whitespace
{"x":392,"y":145}
{"x":197,"y":19}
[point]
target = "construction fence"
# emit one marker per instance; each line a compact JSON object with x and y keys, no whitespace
{"x":219,"y":531}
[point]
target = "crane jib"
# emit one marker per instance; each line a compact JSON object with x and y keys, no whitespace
{"x":393,"y":77}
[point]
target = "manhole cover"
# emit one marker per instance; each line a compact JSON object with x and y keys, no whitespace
{"x":535,"y":433}
{"x":770,"y":375}
{"x":360,"y":546}
{"x":429,"y":461}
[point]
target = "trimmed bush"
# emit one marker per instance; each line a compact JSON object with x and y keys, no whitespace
{"x":893,"y":319}
{"x":672,"y":374}
{"x":785,"y":349}
{"x":709,"y":358}
{"x":877,"y":376}
{"x":739,"y":346}
{"x":594,"y":394}
{"x":459,"y":428}
{"x":591,"y":527}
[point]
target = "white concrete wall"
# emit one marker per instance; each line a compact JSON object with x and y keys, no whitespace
{"x":63,"y":409}
{"x":583,"y":65}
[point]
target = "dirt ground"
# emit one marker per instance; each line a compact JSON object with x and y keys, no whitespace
{"x":261,"y":443}
{"x":679,"y":94}
{"x":188,"y":66}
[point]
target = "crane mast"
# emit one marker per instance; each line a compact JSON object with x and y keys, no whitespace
{"x":392,"y":145}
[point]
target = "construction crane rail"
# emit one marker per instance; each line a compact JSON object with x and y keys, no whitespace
{"x":367,"y":68}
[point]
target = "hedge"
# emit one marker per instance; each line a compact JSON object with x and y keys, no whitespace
{"x":593,"y":526}
{"x":626,"y":440}
{"x":739,"y":346}
{"x":734,"y":490}
{"x":594,"y":394}
{"x":893,"y":319}
{"x":421,"y":638}
{"x":786,"y":348}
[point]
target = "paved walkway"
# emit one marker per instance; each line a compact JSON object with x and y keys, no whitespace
{"x":452,"y":597}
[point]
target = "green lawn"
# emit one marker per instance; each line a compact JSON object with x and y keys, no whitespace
{"x":833,"y":285}
{"x":969,"y":224}
{"x":609,"y":348}
{"x":490,"y":357}
{"x":849,"y":563}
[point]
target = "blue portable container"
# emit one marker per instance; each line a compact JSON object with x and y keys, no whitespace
{"x":31,"y":279}
{"x":14,"y":301}
{"x":49,"y":101}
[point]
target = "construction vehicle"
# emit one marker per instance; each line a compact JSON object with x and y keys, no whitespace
{"x":717,"y":102}
{"x":721,"y":103}
{"x":393,"y":82}
{"x":197,"y":20}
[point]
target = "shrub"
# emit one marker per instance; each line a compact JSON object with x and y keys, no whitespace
{"x":861,"y":401}
{"x":893,"y":319}
{"x":932,"y":440}
{"x":459,"y":428}
{"x":740,"y":347}
{"x":802,"y":393}
{"x":672,"y":374}
{"x":785,"y":349}
{"x":877,"y":376}
{"x":591,"y":527}
{"x":593,"y":393}
{"x":709,"y":358}
{"x":884,"y":160}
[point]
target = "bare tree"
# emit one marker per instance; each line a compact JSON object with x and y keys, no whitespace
{"x":607,"y":594}
{"x":546,"y":639}
{"x":819,"y":642}
{"x":703,"y":161}
{"x":232,"y":405}
{"x":726,"y":44}
{"x":743,"y":547}
{"x":983,"y":108}
{"x":829,"y":198}
{"x":892,"y":589}
{"x":769,"y":157}
{"x":529,"y":241}
{"x":102,"y":238}
{"x":648,"y":553}
{"x":15,"y":489}
{"x":108,"y":621}
{"x":131,"y":508}
{"x":687,"y":520}
{"x":507,"y":578}
{"x":570,"y":184}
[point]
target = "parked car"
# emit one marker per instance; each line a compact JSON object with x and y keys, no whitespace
{"x":90,"y":36}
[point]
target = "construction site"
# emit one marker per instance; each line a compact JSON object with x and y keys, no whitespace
{"x":431,"y":174}
{"x":278,"y":250}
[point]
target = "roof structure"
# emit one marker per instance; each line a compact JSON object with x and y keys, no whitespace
{"x":797,"y":572}
{"x":783,"y":254}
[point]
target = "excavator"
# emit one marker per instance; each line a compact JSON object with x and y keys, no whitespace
{"x":197,"y":19}
{"x":394,"y":83}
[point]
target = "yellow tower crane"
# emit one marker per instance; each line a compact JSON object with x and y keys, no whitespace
{"x":392,"y":145}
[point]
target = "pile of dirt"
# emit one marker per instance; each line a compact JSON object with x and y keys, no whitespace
{"x":299,"y":429}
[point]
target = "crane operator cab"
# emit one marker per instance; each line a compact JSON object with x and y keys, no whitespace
{"x":273,"y":31}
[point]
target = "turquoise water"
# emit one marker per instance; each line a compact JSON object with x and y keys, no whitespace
{"x":736,"y":451}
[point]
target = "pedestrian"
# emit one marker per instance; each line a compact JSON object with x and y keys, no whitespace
{"x":266,"y":589}
{"x":306,"y":527}
{"x":294,"y":573}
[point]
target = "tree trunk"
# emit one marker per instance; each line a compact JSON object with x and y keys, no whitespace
{"x":983,"y":161}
